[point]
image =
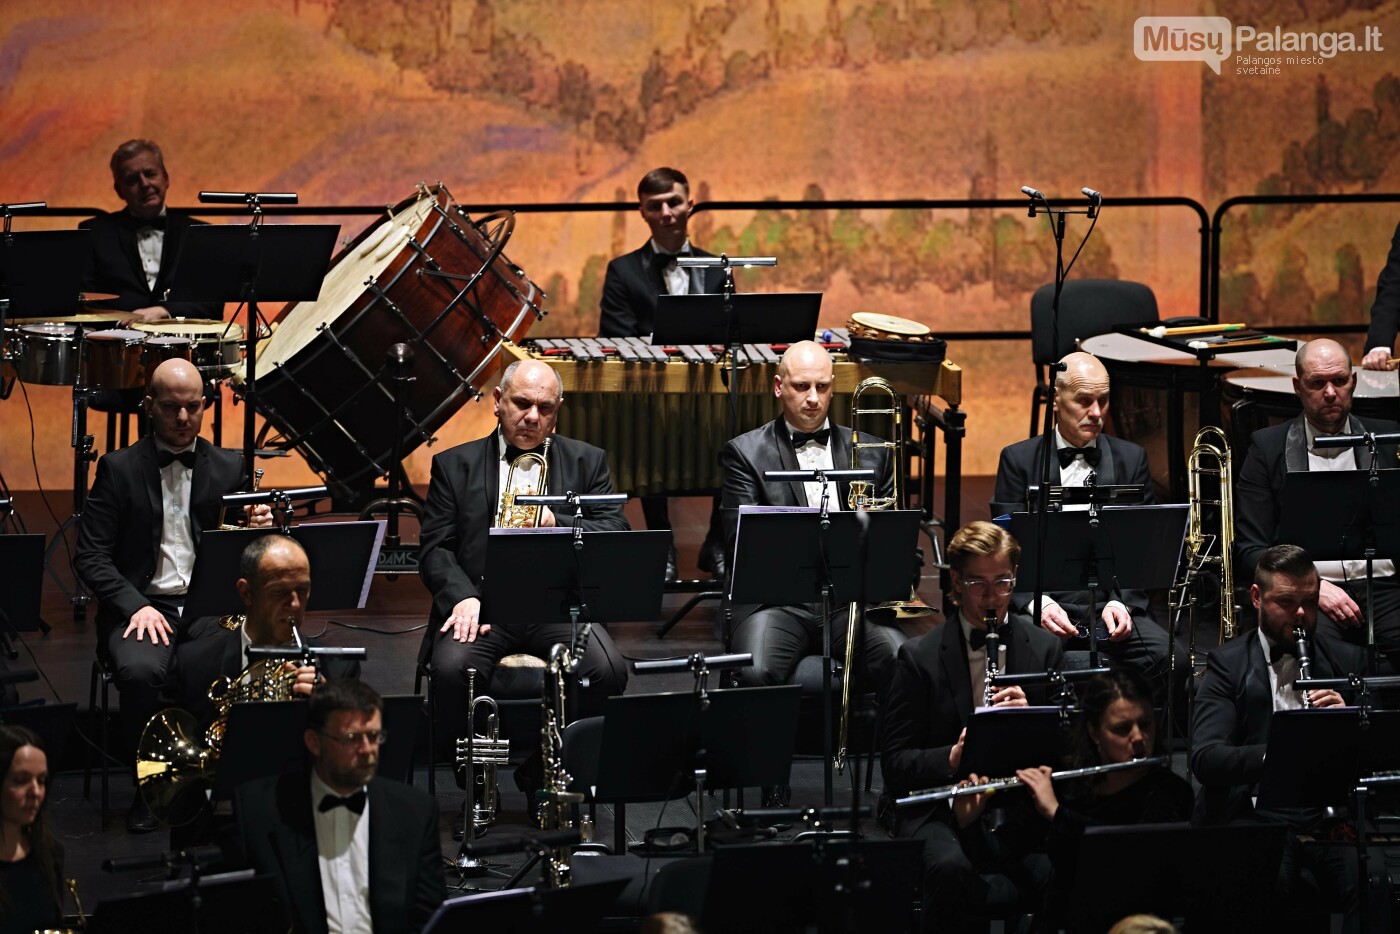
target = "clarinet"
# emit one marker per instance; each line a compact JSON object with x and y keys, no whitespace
{"x":1304,"y":663}
{"x":993,"y":647}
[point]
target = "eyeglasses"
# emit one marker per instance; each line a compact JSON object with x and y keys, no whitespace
{"x":1002,"y":587}
{"x":351,"y":740}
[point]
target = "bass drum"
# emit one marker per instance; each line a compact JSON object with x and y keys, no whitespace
{"x":428,"y":276}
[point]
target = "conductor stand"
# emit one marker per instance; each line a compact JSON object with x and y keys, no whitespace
{"x":1056,"y":218}
{"x":399,"y":360}
{"x":1360,"y":521}
{"x":251,"y":264}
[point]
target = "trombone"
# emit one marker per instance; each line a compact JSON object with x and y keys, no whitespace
{"x":1206,"y":548}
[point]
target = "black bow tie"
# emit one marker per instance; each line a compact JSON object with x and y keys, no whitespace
{"x":977,"y":639}
{"x":169,"y":457}
{"x":1091,"y":455}
{"x":1278,"y":650}
{"x":512,"y":452}
{"x":821,"y":436}
{"x":355,"y":802}
{"x":132,"y":222}
{"x":659,"y":260}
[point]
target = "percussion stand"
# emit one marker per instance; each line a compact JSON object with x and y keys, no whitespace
{"x":400,"y":360}
{"x":82,"y":456}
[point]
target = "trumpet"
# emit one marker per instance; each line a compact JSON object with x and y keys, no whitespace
{"x":511,"y":516}
{"x":993,"y":647}
{"x":995,"y":785}
{"x":1304,"y":663}
{"x":487,"y":754}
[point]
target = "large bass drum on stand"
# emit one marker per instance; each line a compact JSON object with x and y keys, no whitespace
{"x":428,"y":276}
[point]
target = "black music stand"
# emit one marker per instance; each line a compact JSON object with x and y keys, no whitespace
{"x":1113,"y":547}
{"x":342,"y":556}
{"x":1360,"y":522}
{"x":1216,"y":877}
{"x":232,"y":903}
{"x":51,"y":721}
{"x":261,"y":739}
{"x":759,"y":318}
{"x":798,"y":554}
{"x":1313,"y":759}
{"x":577,"y":908}
{"x":1001,"y":740}
{"x":21,"y":586}
{"x":659,"y":746}
{"x":252,"y":264}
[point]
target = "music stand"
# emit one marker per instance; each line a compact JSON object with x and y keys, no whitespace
{"x":659,"y":746}
{"x":51,"y":721}
{"x":1001,"y":740}
{"x":402,"y":713}
{"x":577,"y":908}
{"x":252,"y":264}
{"x":1360,"y":522}
{"x":261,"y":739}
{"x":1217,"y":877}
{"x":342,"y":556}
{"x":1313,"y":758}
{"x":1118,"y":547}
{"x":41,"y":272}
{"x":232,"y":903}
{"x":21,"y":585}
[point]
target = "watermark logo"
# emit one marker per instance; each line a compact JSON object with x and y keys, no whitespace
{"x":1214,"y":40}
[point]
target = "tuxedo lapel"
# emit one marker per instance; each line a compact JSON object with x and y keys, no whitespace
{"x":1295,"y":446}
{"x":169,"y":253}
{"x":126,"y":241}
{"x":1107,"y":466}
{"x":488,"y":463}
{"x":1258,"y":694}
{"x":781,"y":442}
{"x":651,"y":275}
{"x":384,"y":855}
{"x":953,"y":658}
{"x":841,"y":460}
{"x":199,"y":482}
{"x":295,"y":843}
{"x":150,"y":480}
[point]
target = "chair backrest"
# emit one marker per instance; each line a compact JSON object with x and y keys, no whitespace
{"x":1087,"y":307}
{"x":583,"y":748}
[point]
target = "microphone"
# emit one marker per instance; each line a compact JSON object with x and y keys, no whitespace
{"x":1091,"y":193}
{"x":248,"y":197}
{"x":1031,"y":192}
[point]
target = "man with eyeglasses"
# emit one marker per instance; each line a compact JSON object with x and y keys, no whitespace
{"x":137,"y":539}
{"x":348,"y":851}
{"x":274,"y":585}
{"x":938,"y":682}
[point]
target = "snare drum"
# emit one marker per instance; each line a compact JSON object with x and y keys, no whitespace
{"x":215,"y":346}
{"x":160,"y":348}
{"x":44,"y":354}
{"x":112,"y":359}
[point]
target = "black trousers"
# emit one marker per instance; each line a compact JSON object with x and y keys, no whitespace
{"x":602,"y":667}
{"x":141,"y":671}
{"x":1385,"y":594}
{"x":779,"y":636}
{"x":959,"y":896}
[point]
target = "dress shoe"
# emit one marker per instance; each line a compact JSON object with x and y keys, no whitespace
{"x":712,"y":559}
{"x":139,"y":818}
{"x":671,"y":573}
{"x":776,"y":796}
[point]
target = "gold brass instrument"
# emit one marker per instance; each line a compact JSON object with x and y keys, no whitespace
{"x":1304,"y":663}
{"x":863,"y":495}
{"x":72,"y":885}
{"x":173,"y":767}
{"x":257,"y":483}
{"x":994,"y":785}
{"x":487,"y":754}
{"x":993,"y":647}
{"x":555,"y":811}
{"x":1209,"y":457}
{"x":510,"y":515}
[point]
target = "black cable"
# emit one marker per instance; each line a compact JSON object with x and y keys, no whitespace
{"x":34,"y":459}
{"x":361,"y":628}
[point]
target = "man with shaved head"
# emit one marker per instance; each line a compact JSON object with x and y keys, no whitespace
{"x":802,"y":437}
{"x":1128,"y":636}
{"x":1324,"y":382}
{"x":137,"y":540}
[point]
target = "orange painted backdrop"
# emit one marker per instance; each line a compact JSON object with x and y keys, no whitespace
{"x":355,"y":101}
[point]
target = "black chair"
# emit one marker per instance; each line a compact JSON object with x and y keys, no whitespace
{"x":1088,"y":307}
{"x":102,"y":675}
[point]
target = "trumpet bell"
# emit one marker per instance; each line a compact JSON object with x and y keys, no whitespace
{"x":173,"y":770}
{"x":895,"y":610}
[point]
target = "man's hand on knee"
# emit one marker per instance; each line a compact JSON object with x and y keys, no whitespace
{"x":465,"y":621}
{"x":149,"y":624}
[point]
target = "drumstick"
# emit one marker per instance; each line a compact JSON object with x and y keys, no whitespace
{"x":1235,"y":345}
{"x":1162,"y":331}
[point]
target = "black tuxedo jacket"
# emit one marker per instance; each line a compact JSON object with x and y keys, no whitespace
{"x":119,"y":535}
{"x":1120,"y":462}
{"x":1273,"y":452}
{"x":631,"y":286}
{"x":210,"y":651}
{"x":930,"y":701}
{"x":114,"y":265}
{"x":463,"y":495}
{"x":747,"y":457}
{"x":276,"y":834}
{"x":1385,"y":311}
{"x":1230,"y":727}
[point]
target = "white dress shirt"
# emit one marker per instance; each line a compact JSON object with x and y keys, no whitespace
{"x":814,"y":456}
{"x":677,"y":279}
{"x":342,"y":851}
{"x":527,"y":476}
{"x":1282,"y":674}
{"x":1320,"y":459}
{"x":977,"y":660}
{"x":175,"y":561}
{"x":150,"y":244}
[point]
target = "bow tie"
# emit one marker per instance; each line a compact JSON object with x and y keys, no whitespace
{"x":977,"y":639}
{"x":1091,"y":455}
{"x":1278,"y":650}
{"x":821,"y":436}
{"x":659,"y":260}
{"x":512,"y":452}
{"x":355,"y":803}
{"x":132,"y":222}
{"x":167,"y":458}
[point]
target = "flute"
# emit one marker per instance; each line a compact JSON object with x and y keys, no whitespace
{"x":993,"y":786}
